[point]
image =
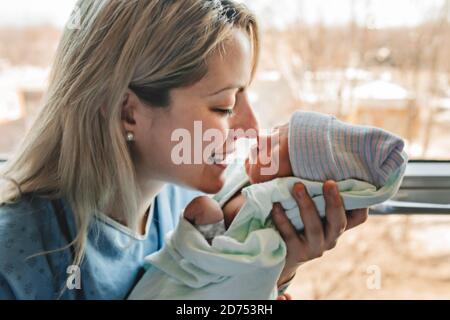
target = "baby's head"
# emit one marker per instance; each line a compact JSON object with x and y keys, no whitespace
{"x":319,"y":147}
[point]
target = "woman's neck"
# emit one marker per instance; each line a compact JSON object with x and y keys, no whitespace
{"x":149,"y":190}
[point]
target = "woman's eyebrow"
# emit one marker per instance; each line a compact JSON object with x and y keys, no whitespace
{"x":230,"y":87}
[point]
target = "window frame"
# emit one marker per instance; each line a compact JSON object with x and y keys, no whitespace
{"x":424,"y":182}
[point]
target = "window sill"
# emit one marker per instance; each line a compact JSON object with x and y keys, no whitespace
{"x":425,"y":190}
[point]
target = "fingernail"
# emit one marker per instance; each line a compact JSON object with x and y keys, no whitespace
{"x":333,"y":191}
{"x":301,"y":191}
{"x":275,"y":210}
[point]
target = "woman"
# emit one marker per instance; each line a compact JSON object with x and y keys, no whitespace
{"x":86,"y":196}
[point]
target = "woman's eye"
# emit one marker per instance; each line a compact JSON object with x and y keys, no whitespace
{"x":225,"y":112}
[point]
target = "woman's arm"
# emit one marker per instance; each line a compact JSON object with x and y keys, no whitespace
{"x":317,"y":237}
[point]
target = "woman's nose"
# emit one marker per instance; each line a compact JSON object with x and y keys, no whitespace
{"x":244,"y":122}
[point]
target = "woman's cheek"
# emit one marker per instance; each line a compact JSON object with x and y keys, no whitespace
{"x":217,"y":136}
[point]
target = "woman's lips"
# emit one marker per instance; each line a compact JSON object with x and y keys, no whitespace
{"x":221,"y":166}
{"x":220,"y":159}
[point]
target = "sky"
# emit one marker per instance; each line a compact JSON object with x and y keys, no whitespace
{"x":382,"y":13}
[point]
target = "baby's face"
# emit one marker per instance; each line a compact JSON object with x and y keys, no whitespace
{"x":269,"y":158}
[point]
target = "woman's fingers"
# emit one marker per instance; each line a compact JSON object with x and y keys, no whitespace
{"x":314,"y":231}
{"x":317,"y":237}
{"x":284,"y":225}
{"x":295,"y":243}
{"x":285,"y":296}
{"x":288,"y":296}
{"x":356,"y":217}
{"x":336,"y":220}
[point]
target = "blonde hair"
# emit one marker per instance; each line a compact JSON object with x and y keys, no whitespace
{"x":76,"y":147}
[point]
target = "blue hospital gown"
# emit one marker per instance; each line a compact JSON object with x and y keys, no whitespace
{"x":114,"y":255}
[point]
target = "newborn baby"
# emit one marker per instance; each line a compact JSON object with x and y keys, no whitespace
{"x":226,"y":247}
{"x":313,"y":147}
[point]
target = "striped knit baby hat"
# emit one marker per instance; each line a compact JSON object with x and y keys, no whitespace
{"x":321,"y":148}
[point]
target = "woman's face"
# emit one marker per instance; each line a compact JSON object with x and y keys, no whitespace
{"x":164,"y":137}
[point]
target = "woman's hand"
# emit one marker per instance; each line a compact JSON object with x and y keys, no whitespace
{"x":285,"y":296}
{"x":318,"y":236}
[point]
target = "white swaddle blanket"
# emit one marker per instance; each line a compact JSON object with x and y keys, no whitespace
{"x":245,"y":262}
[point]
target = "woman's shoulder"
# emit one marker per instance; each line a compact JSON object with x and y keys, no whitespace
{"x":27,"y":228}
{"x":23,"y":211}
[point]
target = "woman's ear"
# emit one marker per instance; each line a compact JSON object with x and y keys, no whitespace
{"x":130,"y":107}
{"x":137,"y":117}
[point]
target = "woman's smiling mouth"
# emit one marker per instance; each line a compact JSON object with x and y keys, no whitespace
{"x":221,"y":159}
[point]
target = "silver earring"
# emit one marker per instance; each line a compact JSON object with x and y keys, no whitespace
{"x":130,"y":136}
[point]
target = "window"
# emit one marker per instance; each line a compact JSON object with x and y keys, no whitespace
{"x":382,"y":63}
{"x":29,"y":35}
{"x":376,"y":62}
{"x":379,"y":63}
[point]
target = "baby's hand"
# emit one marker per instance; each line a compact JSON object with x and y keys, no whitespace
{"x":203,"y":211}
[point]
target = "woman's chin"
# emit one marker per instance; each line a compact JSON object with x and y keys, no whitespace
{"x":212,"y":182}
